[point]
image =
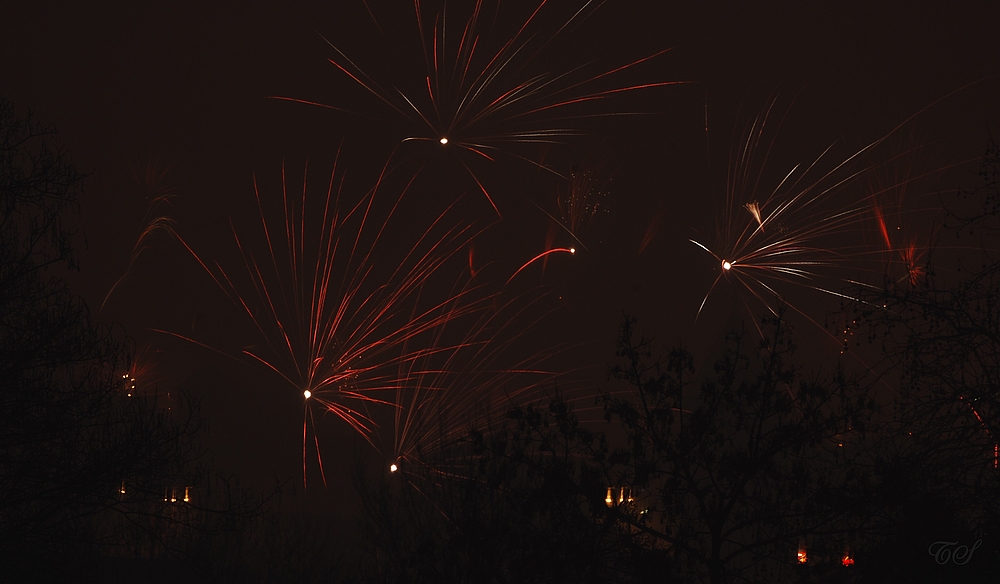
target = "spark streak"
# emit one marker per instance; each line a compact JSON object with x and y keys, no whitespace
{"x":569,"y":250}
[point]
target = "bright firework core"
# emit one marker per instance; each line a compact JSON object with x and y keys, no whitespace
{"x":307,"y":394}
{"x":726,"y":265}
{"x":444,"y":141}
{"x":393,"y":468}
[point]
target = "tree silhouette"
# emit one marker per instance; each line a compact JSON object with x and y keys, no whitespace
{"x":744,"y":471}
{"x":940,"y":342}
{"x":519,"y":500}
{"x":724,"y":480}
{"x":71,"y":441}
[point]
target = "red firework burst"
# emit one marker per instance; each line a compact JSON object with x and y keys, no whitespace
{"x":903,"y":241}
{"x":468,"y":86}
{"x":348,"y":319}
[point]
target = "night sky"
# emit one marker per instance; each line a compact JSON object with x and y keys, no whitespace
{"x":172,"y":98}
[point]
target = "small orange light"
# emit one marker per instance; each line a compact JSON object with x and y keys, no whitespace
{"x":847,"y":561}
{"x":802,"y":557}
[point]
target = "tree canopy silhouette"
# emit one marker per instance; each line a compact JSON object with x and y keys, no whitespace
{"x":72,"y":444}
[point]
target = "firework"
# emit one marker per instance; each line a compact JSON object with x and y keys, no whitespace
{"x":805,"y":231}
{"x":903,"y":245}
{"x":584,"y":196}
{"x":476,"y":385}
{"x":543,"y":255}
{"x":141,"y":376}
{"x":581,"y":198}
{"x":808,"y":230}
{"x":346,"y":316}
{"x":469,"y":89}
{"x":151,"y":181}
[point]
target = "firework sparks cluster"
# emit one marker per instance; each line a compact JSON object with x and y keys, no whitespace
{"x":812,"y":229}
{"x":367,"y":310}
{"x":476,"y":100}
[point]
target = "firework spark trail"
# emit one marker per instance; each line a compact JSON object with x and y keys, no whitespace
{"x":975,"y":412}
{"x":476,"y":385}
{"x":569,"y":250}
{"x":341,"y":326}
{"x":651,"y":230}
{"x":152,"y":183}
{"x":479,"y":100}
{"x":152,"y":221}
